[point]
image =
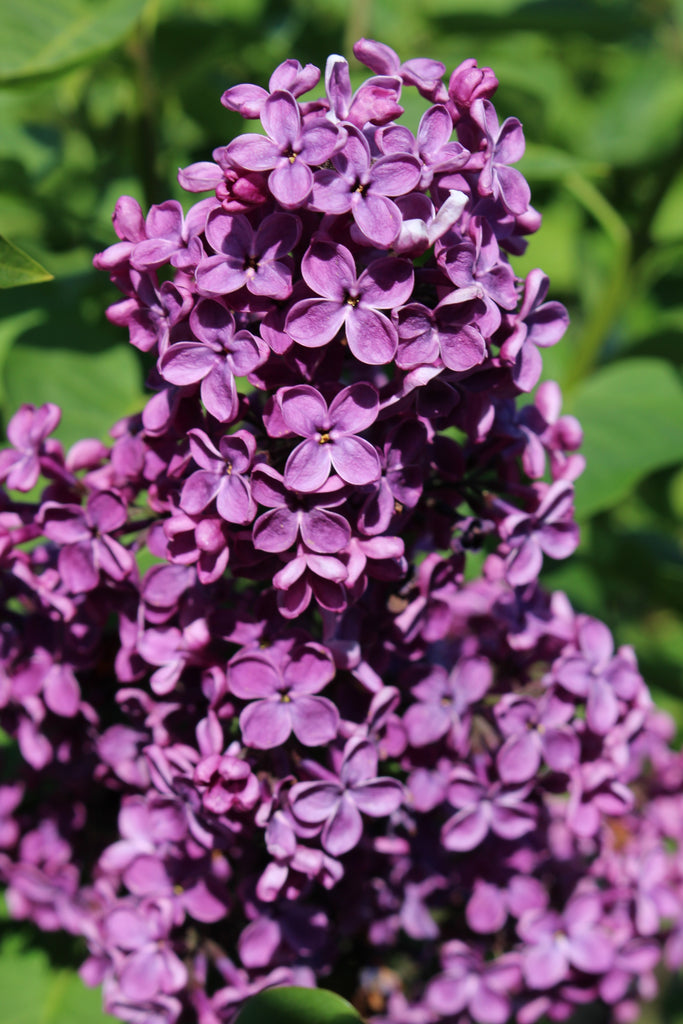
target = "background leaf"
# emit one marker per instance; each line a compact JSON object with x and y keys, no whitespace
{"x":36,"y":991}
{"x":628,"y":411}
{"x":39,"y":37}
{"x":93,"y":389}
{"x":17,"y":267}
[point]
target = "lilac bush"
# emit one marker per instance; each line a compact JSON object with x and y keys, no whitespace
{"x":290,"y":702}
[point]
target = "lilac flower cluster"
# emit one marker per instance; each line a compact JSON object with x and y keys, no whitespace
{"x":291,"y":705}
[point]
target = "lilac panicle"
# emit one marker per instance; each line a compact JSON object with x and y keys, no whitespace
{"x":278,"y":667}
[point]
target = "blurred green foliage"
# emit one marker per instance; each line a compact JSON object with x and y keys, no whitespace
{"x":104,"y":97}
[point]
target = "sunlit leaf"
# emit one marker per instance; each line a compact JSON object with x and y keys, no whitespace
{"x":17,"y":267}
{"x":37,"y":991}
{"x":631,"y":413}
{"x":93,"y":389}
{"x":39,"y":37}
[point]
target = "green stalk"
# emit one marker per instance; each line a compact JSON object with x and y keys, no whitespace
{"x":357,"y":24}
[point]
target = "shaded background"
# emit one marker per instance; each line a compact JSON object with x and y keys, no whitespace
{"x":104,"y":97}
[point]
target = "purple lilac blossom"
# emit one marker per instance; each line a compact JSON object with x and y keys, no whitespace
{"x":339,"y":711}
{"x":351,"y":302}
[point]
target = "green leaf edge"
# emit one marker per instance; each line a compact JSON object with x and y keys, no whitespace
{"x":17,"y":268}
{"x":297,"y":1005}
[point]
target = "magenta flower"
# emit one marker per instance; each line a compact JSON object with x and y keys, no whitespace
{"x":307,"y":573}
{"x":226,"y":783}
{"x":293,"y":516}
{"x":421,"y":72}
{"x":150,"y":966}
{"x":320,"y":706}
{"x":432,"y":146}
{"x":558,"y":942}
{"x":535,"y":731}
{"x":286,"y":688}
{"x":483,"y":989}
{"x":598,"y":675}
{"x":290,"y":150}
{"x":362,"y":187}
{"x":331,"y":436}
{"x":221,"y":477}
{"x":330,"y":272}
{"x":27,"y":432}
{"x":449,"y":333}
{"x":506,"y":146}
{"x":375,"y":101}
{"x":151,"y":310}
{"x":248,"y":100}
{"x":485,"y":807}
{"x":257,"y":258}
{"x":337,"y":805}
{"x":443,"y":700}
{"x":167,"y":231}
{"x":549,"y":530}
{"x":87,"y":548}
{"x":220,"y":355}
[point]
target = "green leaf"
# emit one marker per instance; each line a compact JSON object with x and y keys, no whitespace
{"x":38,"y":991}
{"x":548,"y":163}
{"x":631,"y":413}
{"x":17,"y":268}
{"x":11,"y":327}
{"x":297,"y":1006}
{"x":39,"y":37}
{"x":93,"y":389}
{"x":667,"y":225}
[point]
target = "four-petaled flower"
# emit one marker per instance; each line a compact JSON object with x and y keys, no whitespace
{"x":337,"y":803}
{"x":331,"y":434}
{"x":344,"y":300}
{"x":285,"y":685}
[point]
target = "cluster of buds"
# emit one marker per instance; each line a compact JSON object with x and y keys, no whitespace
{"x":290,"y":703}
